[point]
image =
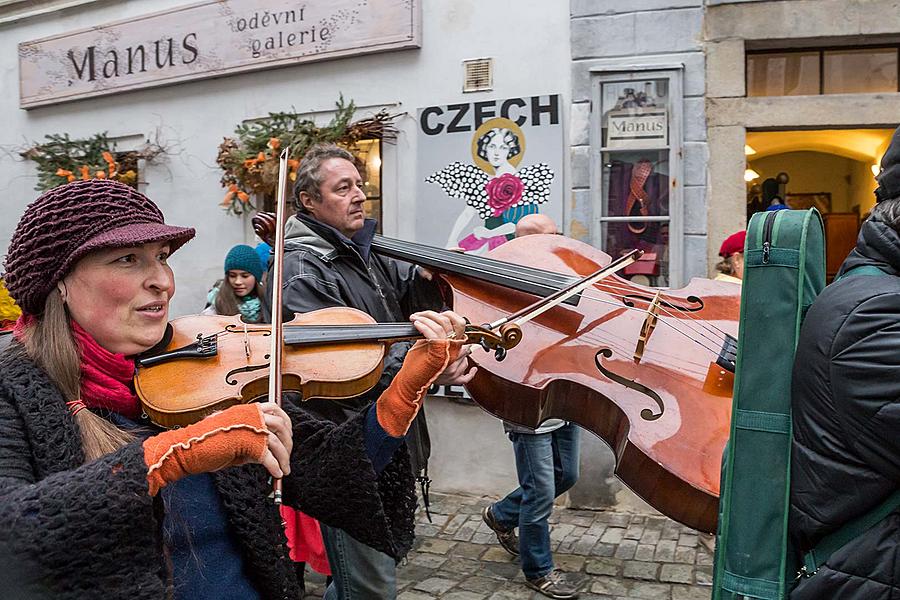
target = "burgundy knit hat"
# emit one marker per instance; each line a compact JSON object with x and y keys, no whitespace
{"x":69,"y":221}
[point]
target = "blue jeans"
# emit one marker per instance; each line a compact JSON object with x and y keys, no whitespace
{"x":547,"y":465}
{"x":359,"y":572}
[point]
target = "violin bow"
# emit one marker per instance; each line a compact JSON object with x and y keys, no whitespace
{"x":275,"y":353}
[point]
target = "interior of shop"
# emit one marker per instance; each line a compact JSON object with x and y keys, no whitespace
{"x":832,"y":170}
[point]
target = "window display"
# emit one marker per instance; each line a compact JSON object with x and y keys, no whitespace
{"x":634,"y":180}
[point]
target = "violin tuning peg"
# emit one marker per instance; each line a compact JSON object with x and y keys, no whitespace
{"x":500,"y":353}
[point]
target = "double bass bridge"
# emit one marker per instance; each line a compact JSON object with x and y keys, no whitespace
{"x":647,"y":328}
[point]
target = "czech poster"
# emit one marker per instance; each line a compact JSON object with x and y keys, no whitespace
{"x":484,"y":165}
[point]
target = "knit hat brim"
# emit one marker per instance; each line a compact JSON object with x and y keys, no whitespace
{"x":135,"y":234}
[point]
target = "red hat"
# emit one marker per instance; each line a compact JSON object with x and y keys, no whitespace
{"x":72,"y":220}
{"x":733,"y":243}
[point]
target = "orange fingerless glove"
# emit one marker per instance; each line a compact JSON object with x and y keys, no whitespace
{"x":232,"y":437}
{"x":400,"y":402}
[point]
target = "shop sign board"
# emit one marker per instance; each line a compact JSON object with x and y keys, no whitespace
{"x":637,"y":129}
{"x":209,"y":39}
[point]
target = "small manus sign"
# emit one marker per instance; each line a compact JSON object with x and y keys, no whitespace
{"x":637,"y":129}
{"x":209,"y":39}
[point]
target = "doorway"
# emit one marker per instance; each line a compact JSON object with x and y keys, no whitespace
{"x":832,"y":170}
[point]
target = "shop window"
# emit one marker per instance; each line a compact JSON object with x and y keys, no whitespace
{"x":823,"y":71}
{"x":638,"y":128}
{"x":368,"y":158}
{"x":865,"y":71}
{"x":783,"y":74}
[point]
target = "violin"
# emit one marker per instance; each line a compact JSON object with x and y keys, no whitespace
{"x":649,"y":371}
{"x":209,"y":363}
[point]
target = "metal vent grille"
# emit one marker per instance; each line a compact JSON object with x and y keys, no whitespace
{"x":479,"y":75}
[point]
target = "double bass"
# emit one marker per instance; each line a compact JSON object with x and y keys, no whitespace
{"x":649,"y":371}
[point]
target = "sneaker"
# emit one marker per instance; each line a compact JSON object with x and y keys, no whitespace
{"x":553,"y":585}
{"x":508,"y":539}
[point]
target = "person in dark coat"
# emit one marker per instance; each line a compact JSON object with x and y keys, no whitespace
{"x":328,"y":262}
{"x":846,"y":411}
{"x":98,"y":502}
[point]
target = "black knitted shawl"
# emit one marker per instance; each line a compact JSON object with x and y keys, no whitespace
{"x":70,"y":530}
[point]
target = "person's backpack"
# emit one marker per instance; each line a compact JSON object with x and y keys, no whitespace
{"x":784,"y":271}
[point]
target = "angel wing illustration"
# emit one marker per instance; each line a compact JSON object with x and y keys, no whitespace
{"x":466,"y":182}
{"x":469,"y":183}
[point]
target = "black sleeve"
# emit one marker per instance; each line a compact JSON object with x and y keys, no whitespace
{"x":333,"y":480}
{"x":865,"y":377}
{"x":67,"y":534}
{"x":414,"y":291}
{"x":306,"y":287}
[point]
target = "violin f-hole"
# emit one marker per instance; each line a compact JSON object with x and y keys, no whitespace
{"x":647,"y":413}
{"x":229,"y":377}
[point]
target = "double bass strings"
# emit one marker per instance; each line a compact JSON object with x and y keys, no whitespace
{"x":551,"y":282}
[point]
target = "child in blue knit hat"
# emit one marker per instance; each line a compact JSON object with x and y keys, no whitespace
{"x":240,"y":290}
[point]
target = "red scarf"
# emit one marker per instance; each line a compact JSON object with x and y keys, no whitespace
{"x":105,"y":377}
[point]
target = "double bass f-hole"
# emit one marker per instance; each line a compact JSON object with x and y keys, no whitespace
{"x":694,"y":303}
{"x":647,"y":413}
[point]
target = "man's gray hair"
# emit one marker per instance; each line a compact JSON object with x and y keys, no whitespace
{"x":309,"y":179}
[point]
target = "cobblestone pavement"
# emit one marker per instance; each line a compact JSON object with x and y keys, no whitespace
{"x":618,"y":555}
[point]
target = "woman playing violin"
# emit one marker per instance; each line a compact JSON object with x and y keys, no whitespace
{"x":97,"y":502}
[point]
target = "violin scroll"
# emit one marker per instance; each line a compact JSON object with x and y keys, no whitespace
{"x":508,"y":336}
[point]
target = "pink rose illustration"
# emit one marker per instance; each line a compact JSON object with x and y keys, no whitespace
{"x":503,"y":192}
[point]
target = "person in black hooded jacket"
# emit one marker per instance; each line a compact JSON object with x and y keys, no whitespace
{"x":846,"y":411}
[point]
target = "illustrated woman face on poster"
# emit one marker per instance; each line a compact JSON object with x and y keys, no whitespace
{"x":496,"y":147}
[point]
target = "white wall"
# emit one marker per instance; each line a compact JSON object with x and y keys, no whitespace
{"x":528,"y":40}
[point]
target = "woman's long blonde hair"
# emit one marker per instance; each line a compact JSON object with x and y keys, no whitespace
{"x":49,"y":342}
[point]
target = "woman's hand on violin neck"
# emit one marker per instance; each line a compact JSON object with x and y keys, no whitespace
{"x":437,"y":326}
